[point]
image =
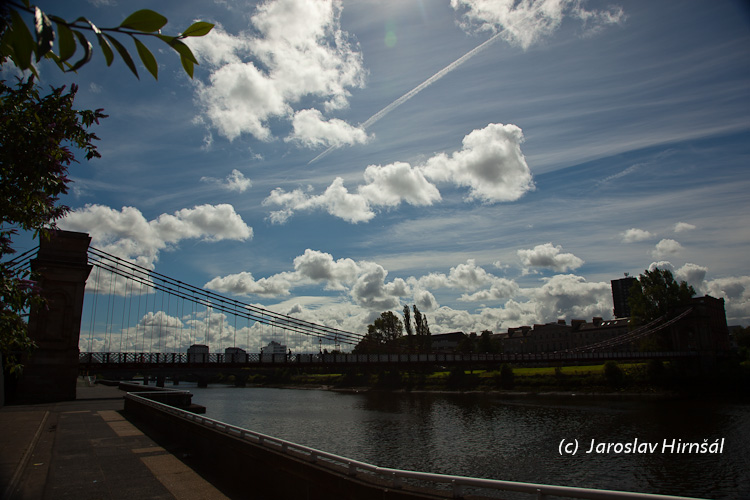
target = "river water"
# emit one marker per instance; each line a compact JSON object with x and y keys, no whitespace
{"x":484,"y":435}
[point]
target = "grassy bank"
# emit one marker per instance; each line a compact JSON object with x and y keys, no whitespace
{"x":644,"y":378}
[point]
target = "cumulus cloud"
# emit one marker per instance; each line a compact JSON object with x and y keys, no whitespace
{"x":693,"y":274}
{"x":296,"y":50}
{"x":236,"y":181}
{"x":665,"y":248}
{"x":466,"y":277}
{"x":683,"y":226}
{"x":570,"y":296}
{"x":549,"y":256}
{"x":389,"y":185}
{"x":735,"y":291}
{"x":127,"y":234}
{"x":312,"y":130}
{"x":633,"y":235}
{"x":490,"y":164}
{"x":524,"y":23}
{"x":320,"y":266}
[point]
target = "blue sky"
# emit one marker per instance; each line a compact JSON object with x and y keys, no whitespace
{"x":585,"y":140}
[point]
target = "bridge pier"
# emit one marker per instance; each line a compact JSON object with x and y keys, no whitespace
{"x":51,"y":370}
{"x":160,"y":380}
{"x":202,"y":381}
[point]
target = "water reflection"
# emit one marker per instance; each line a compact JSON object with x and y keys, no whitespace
{"x":517,"y":440}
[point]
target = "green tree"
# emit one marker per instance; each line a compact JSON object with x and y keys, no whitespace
{"x":487,"y":344}
{"x":382,"y":336}
{"x":25,"y":49}
{"x":422,"y":331}
{"x":657,"y":294}
{"x":35,"y":135}
{"x":37,"y":131}
{"x":409,"y":329}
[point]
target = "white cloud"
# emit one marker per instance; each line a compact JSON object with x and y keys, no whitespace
{"x":298,"y":50}
{"x":665,"y":248}
{"x":549,"y":256}
{"x":336,"y":200}
{"x":683,"y":226}
{"x":312,"y":130}
{"x":371,"y":291}
{"x":236,"y":181}
{"x":524,"y":23}
{"x":397,"y":182}
{"x":571,"y":297}
{"x":490,"y":164}
{"x":735,"y":291}
{"x":320,"y":266}
{"x":664,"y":265}
{"x":633,"y":235}
{"x":127,"y":234}
{"x":243,"y":283}
{"x":693,"y":274}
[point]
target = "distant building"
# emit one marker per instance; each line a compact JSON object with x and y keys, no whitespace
{"x":235,"y":355}
{"x":273,"y":352}
{"x":560,"y":336}
{"x":446,"y":342}
{"x":703,"y":329}
{"x":198,"y":353}
{"x":620,"y":293}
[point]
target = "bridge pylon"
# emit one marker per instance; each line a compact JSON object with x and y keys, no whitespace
{"x":51,"y":370}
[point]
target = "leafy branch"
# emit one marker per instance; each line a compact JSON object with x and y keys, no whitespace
{"x":25,"y":49}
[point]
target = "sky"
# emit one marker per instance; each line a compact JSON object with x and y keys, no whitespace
{"x":496,"y":163}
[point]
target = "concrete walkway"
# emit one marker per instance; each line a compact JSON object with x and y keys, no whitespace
{"x":86,"y":449}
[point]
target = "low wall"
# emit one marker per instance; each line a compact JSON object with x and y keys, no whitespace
{"x":171,"y":397}
{"x":256,"y":469}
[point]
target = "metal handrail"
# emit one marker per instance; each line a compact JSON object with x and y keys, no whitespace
{"x":457,"y":483}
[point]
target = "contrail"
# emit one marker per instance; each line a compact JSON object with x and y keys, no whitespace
{"x":416,"y":90}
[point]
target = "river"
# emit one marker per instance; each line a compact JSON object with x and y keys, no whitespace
{"x":484,"y":435}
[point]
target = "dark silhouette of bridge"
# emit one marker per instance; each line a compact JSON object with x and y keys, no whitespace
{"x":135,"y":320}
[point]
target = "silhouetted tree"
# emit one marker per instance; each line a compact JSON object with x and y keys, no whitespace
{"x":422,"y":330}
{"x":656,"y":294}
{"x":409,"y":329}
{"x":382,"y":335}
{"x":36,"y":131}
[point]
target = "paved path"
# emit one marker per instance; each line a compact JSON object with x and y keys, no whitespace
{"x":86,"y":449}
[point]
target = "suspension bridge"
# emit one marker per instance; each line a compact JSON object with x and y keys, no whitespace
{"x":135,"y":319}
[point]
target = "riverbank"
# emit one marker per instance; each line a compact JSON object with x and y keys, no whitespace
{"x":610,"y":380}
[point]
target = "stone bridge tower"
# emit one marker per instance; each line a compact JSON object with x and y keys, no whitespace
{"x":50,"y":371}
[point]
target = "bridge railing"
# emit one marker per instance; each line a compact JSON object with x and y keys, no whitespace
{"x":455,"y":486}
{"x":150,"y":358}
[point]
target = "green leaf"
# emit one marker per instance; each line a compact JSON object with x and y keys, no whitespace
{"x":147,"y":58}
{"x":124,"y":54}
{"x":21,"y":41}
{"x":106,"y":49}
{"x":183,"y":50}
{"x":144,"y":20}
{"x":65,"y":42}
{"x":187,"y":65}
{"x":60,"y":63}
{"x":198,"y":29}
{"x":87,"y":50}
{"x":45,"y":35}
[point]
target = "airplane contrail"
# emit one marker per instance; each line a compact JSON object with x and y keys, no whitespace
{"x":416,"y":90}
